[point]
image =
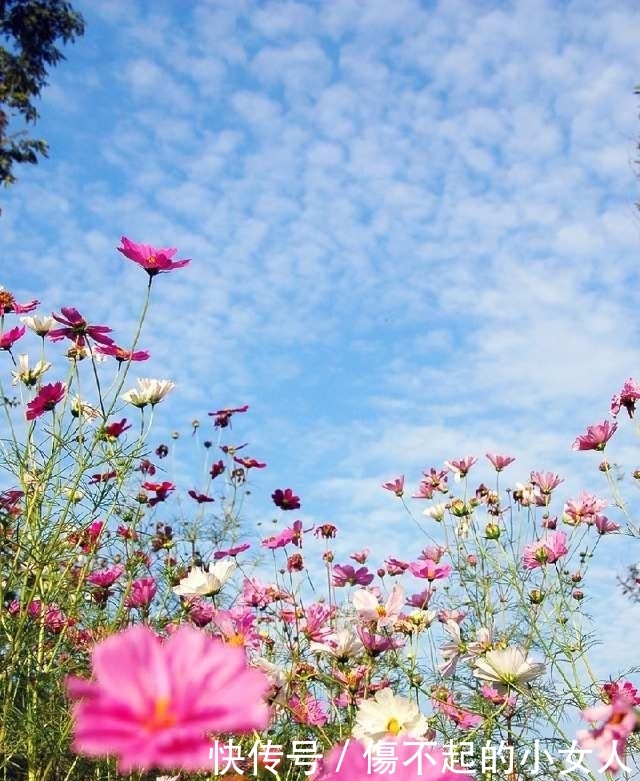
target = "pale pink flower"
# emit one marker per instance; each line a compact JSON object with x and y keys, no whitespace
{"x":499,"y":462}
{"x":396,"y":486}
{"x":429,"y":570}
{"x":308,"y":710}
{"x":618,"y":720}
{"x":583,"y":509}
{"x":370,"y":609}
{"x":596,"y":437}
{"x":546,"y":551}
{"x":604,"y":525}
{"x":153,"y":703}
{"x":546,"y":481}
{"x":461,"y":467}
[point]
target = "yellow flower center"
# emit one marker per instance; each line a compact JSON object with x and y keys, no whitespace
{"x":393,"y":726}
{"x":152,"y":259}
{"x":6,"y":300}
{"x":380,"y":610}
{"x":236,"y":639}
{"x":161,"y":716}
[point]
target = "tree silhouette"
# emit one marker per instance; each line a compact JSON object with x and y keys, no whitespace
{"x":29,"y":30}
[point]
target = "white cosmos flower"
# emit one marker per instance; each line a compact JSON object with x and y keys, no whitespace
{"x":343,"y":644}
{"x":436,"y":511}
{"x":29,"y":376}
{"x":200,"y":582}
{"x":387,"y":714}
{"x":148,"y":392}
{"x":40,"y":324}
{"x":507,"y":667}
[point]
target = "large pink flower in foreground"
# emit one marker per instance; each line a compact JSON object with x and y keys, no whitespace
{"x":152,"y":702}
{"x":404,"y":760}
{"x":152,"y":259}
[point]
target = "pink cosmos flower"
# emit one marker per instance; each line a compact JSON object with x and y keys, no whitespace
{"x":395,"y":566}
{"x":627,"y":398}
{"x":618,"y":720}
{"x":285,"y":499}
{"x":102,"y":477}
{"x":9,"y":338}
{"x":461,"y":467}
{"x":583,"y":509}
{"x":361,"y":556}
{"x":249,"y":463}
{"x":152,"y":259}
{"x":122,"y":355}
{"x":403,"y":760}
{"x":428,"y":569}
{"x":105,"y":577}
{"x":142,"y":592}
{"x":463,"y":718}
{"x":8,"y":304}
{"x":234,"y":551}
{"x":237,"y":627}
{"x":396,"y":486}
{"x":499,"y":462}
{"x":291,"y":534}
{"x":308,"y":710}
{"x":114,"y":430}
{"x":217,"y":469}
{"x":46,"y":399}
{"x":421,"y":600}
{"x":161,"y":490}
{"x":347,"y":575}
{"x":546,"y":481}
{"x":596,"y":437}
{"x":546,"y":551}
{"x":222,"y":417}
{"x":152,"y":703}
{"x":77,"y":329}
{"x":200,"y":612}
{"x":369,"y":608}
{"x":604,"y":525}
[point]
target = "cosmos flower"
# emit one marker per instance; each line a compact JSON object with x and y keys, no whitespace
{"x":596,"y":437}
{"x":546,"y":551}
{"x":285,"y":499}
{"x":200,"y":582}
{"x":499,"y":462}
{"x":508,"y":667}
{"x":8,"y":304}
{"x":148,"y":392}
{"x":122,"y":355}
{"x":152,"y":259}
{"x":387,"y":714}
{"x":9,"y":338}
{"x":46,"y":399}
{"x":152,"y":703}
{"x":77,"y":329}
{"x":26,"y":374}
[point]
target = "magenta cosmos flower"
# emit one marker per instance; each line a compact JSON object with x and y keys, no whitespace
{"x":152,"y":259}
{"x":285,"y":499}
{"x":78,"y":329}
{"x":152,"y":702}
{"x":46,"y":399}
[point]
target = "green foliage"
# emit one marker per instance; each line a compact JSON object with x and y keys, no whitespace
{"x":30,"y":30}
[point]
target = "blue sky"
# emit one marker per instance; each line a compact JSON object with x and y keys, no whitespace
{"x":412,"y":228}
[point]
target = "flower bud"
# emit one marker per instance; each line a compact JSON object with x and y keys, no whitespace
{"x":536,"y":596}
{"x":492,"y":531}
